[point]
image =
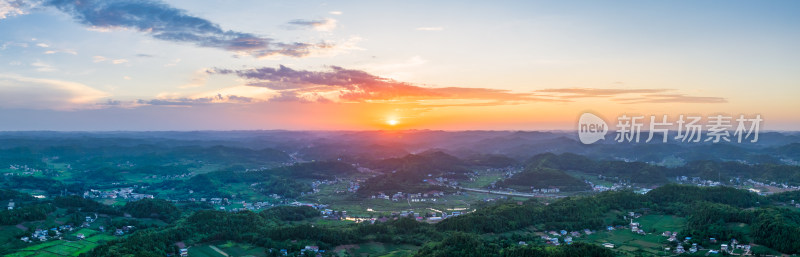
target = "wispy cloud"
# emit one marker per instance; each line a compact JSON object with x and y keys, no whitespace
{"x":319,"y":25}
{"x":671,"y":98}
{"x":99,"y":59}
{"x":10,"y":8}
{"x":56,"y":50}
{"x":346,"y":85}
{"x":631,"y":95}
{"x":66,"y":51}
{"x":164,"y":22}
{"x":187,"y":101}
{"x":336,"y":12}
{"x":597,"y":92}
{"x":43,"y":67}
{"x":36,"y":93}
{"x":430,"y":28}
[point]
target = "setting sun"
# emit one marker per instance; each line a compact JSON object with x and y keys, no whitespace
{"x":391,"y":122}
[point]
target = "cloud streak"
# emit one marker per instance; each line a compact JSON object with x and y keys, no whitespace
{"x":167,"y":23}
{"x":35,"y":93}
{"x":430,"y":29}
{"x":347,"y":85}
{"x":630,"y":96}
{"x":671,"y":98}
{"x":188,"y":101}
{"x":339,"y":84}
{"x":319,"y":25}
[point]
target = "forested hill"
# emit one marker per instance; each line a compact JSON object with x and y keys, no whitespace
{"x":647,"y":173}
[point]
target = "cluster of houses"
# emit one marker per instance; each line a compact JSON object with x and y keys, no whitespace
{"x":57,"y":232}
{"x":331,"y":214}
{"x":551,"y":190}
{"x":636,"y":228}
{"x":254,"y":206}
{"x":353,"y":186}
{"x":342,"y":215}
{"x":315,"y":185}
{"x":602,"y":188}
{"x":671,"y":236}
{"x":697,"y":181}
{"x":122,"y":231}
{"x":429,"y":217}
{"x":772,"y":184}
{"x":430,"y":196}
{"x":125,"y":193}
{"x":216,"y":200}
{"x":88,"y":221}
{"x":441,"y":181}
{"x":507,"y":172}
{"x":726,"y":248}
{"x":308,"y":248}
{"x":24,"y":168}
{"x":563,"y":236}
{"x":171,"y":177}
{"x":47,"y":234}
{"x":246,"y":206}
{"x":11,"y":204}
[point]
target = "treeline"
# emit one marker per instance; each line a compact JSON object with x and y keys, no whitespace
{"x":636,"y":172}
{"x":543,"y":178}
{"x":641,"y":172}
{"x":25,"y":213}
{"x":275,"y":229}
{"x":152,"y":208}
{"x":266,"y":182}
{"x":6,"y":194}
{"x":471,"y":245}
{"x":719,"y":212}
{"x":81,"y":204}
{"x":571,"y":213}
{"x":315,"y":170}
{"x":51,"y":186}
{"x":407,"y":174}
{"x":574,"y":213}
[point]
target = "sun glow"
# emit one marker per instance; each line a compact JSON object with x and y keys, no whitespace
{"x":392,"y":122}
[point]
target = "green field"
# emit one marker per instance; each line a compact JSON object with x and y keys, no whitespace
{"x":627,"y":242}
{"x":64,"y":247}
{"x":484,"y":179}
{"x":230,"y":248}
{"x":590,"y":177}
{"x":356,"y":206}
{"x":377,"y":249}
{"x":661,"y":223}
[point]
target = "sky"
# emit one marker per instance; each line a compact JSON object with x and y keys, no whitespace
{"x":376,"y":65}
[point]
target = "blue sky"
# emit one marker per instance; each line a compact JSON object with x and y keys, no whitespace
{"x":155,"y":65}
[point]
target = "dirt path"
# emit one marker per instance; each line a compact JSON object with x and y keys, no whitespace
{"x":218,"y":250}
